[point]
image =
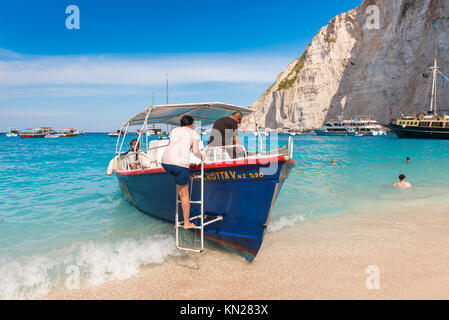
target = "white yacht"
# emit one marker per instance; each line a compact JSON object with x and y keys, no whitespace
{"x":359,"y":126}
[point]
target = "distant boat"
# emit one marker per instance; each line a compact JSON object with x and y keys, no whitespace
{"x":153,"y":131}
{"x":53,"y":135}
{"x":37,"y":132}
{"x":359,"y":126}
{"x":117,"y":133}
{"x":12,"y":132}
{"x":69,"y":132}
{"x":337,"y":127}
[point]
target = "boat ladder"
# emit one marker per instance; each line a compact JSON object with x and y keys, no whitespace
{"x":201,"y":216}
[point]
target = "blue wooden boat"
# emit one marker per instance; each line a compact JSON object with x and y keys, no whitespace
{"x":240,"y":191}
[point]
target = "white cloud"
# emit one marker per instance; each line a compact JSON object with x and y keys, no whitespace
{"x":38,"y":113}
{"x":9,"y":55}
{"x":138,"y":70}
{"x":109,"y":88}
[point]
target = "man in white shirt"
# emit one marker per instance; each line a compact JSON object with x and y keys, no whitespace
{"x":175,"y":161}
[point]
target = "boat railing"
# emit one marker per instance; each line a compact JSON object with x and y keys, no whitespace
{"x":245,"y":154}
{"x":150,"y":158}
{"x":147,"y":158}
{"x":122,"y":163}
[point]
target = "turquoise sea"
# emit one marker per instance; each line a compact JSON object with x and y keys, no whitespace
{"x":58,"y":208}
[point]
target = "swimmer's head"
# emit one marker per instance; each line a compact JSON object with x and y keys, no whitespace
{"x":402,"y":177}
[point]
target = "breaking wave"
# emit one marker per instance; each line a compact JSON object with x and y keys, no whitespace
{"x":285,"y":221}
{"x":83,"y":264}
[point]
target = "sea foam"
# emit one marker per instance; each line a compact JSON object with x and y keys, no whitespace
{"x":95,"y":262}
{"x":285,"y":222}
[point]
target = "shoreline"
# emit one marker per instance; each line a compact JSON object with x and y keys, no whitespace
{"x":320,"y":258}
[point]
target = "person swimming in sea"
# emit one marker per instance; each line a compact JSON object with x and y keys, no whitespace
{"x":333,"y":162}
{"x":402,"y":184}
{"x":407,"y":160}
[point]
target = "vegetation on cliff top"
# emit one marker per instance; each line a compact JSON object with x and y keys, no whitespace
{"x":290,"y":80}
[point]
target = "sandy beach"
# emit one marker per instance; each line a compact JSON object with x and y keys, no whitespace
{"x":329,"y":257}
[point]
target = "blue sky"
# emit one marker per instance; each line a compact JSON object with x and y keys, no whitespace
{"x":98,"y":76}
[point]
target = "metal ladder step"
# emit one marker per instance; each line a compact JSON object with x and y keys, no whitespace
{"x":201,"y":216}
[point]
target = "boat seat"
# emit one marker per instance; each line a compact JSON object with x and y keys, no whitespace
{"x":146,"y":161}
{"x":156,"y":150}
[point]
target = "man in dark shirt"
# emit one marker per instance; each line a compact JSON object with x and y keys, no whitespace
{"x":225,"y":131}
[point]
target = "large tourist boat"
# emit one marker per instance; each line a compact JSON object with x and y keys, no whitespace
{"x":426,"y":125}
{"x":232,"y":198}
{"x":359,"y":126}
{"x":37,"y":132}
{"x":69,"y":132}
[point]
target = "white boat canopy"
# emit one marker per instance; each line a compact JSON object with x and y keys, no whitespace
{"x":171,"y":114}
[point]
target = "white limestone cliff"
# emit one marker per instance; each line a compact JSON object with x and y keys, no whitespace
{"x":361,"y":71}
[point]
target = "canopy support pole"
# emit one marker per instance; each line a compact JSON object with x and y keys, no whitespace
{"x":124,"y":136}
{"x":258,"y":132}
{"x":143,"y":126}
{"x":118,"y":139}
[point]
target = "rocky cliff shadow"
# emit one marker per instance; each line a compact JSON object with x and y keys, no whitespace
{"x":342,"y":101}
{"x":384,"y":74}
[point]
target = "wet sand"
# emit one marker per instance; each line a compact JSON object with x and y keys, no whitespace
{"x":321,"y":258}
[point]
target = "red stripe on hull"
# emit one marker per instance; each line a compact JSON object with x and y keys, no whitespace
{"x":217,"y":165}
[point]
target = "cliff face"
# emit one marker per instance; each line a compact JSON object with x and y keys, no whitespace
{"x":362,"y":71}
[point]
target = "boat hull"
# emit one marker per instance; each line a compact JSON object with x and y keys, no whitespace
{"x":32,"y":135}
{"x":334,"y":134}
{"x":409,"y":132}
{"x":243,"y":194}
